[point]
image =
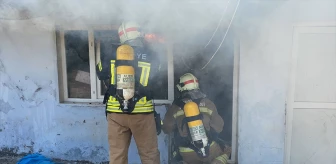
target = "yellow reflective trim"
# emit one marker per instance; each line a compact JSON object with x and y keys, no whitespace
{"x":223,"y":158}
{"x":179,"y":113}
{"x":202,"y":109}
{"x":146,"y":76}
{"x":142,"y":76}
{"x":113,"y":101}
{"x":100,"y":66}
{"x":145,"y":71}
{"x":143,"y":64}
{"x":143,"y":100}
{"x":149,"y":102}
{"x":188,"y":150}
{"x":206,"y":110}
{"x":112,"y":71}
{"x":143,"y":105}
{"x":136,"y":110}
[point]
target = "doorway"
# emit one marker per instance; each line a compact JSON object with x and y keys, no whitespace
{"x":218,"y":79}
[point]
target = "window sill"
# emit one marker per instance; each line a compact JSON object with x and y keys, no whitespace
{"x":100,"y":104}
{"x":83,"y":104}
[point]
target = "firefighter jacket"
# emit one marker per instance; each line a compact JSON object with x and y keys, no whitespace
{"x":173,"y":120}
{"x":146,"y":67}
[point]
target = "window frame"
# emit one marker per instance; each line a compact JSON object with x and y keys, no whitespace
{"x":94,"y":58}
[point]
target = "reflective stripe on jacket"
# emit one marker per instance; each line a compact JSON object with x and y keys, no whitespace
{"x":142,"y":106}
{"x":146,"y":71}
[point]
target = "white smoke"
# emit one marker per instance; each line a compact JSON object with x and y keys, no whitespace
{"x":191,"y":23}
{"x":186,"y":18}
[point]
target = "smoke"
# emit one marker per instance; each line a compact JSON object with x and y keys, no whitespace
{"x":198,"y":26}
{"x":180,"y":20}
{"x":189,"y":24}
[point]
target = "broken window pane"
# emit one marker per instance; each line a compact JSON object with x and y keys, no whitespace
{"x":77,"y":63}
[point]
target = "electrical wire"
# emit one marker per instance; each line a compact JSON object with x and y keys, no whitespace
{"x":223,"y":37}
{"x":220,"y":21}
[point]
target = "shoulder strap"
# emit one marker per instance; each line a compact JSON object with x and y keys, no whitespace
{"x":185,"y":120}
{"x":126,"y":62}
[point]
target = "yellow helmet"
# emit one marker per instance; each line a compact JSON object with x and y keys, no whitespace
{"x":188,"y":82}
{"x":129,"y":30}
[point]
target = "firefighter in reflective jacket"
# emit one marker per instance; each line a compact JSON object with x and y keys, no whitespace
{"x":134,"y":61}
{"x":196,"y":124}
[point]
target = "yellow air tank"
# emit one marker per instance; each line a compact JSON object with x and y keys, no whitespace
{"x":196,"y":127}
{"x":125,"y":73}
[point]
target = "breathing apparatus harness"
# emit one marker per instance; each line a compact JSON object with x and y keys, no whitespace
{"x":140,"y":90}
{"x":187,"y":141}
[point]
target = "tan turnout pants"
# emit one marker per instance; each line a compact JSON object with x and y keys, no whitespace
{"x":216,"y":156}
{"x":121,"y":127}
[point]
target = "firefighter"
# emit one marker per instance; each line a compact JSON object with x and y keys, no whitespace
{"x":134,"y":115}
{"x":195,"y":123}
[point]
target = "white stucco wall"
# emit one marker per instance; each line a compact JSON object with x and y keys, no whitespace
{"x":31,"y":119}
{"x":265,"y":29}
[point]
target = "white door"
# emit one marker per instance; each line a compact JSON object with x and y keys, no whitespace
{"x":311,"y":104}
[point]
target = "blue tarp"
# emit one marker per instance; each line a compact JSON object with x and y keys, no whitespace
{"x":35,"y":159}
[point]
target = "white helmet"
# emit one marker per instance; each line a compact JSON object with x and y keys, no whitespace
{"x":188,"y":82}
{"x":128,"y":31}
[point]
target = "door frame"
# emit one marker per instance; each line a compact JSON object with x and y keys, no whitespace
{"x":304,"y":27}
{"x":235,"y":92}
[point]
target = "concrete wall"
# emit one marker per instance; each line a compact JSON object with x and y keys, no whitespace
{"x":266,"y":29}
{"x":31,"y":119}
